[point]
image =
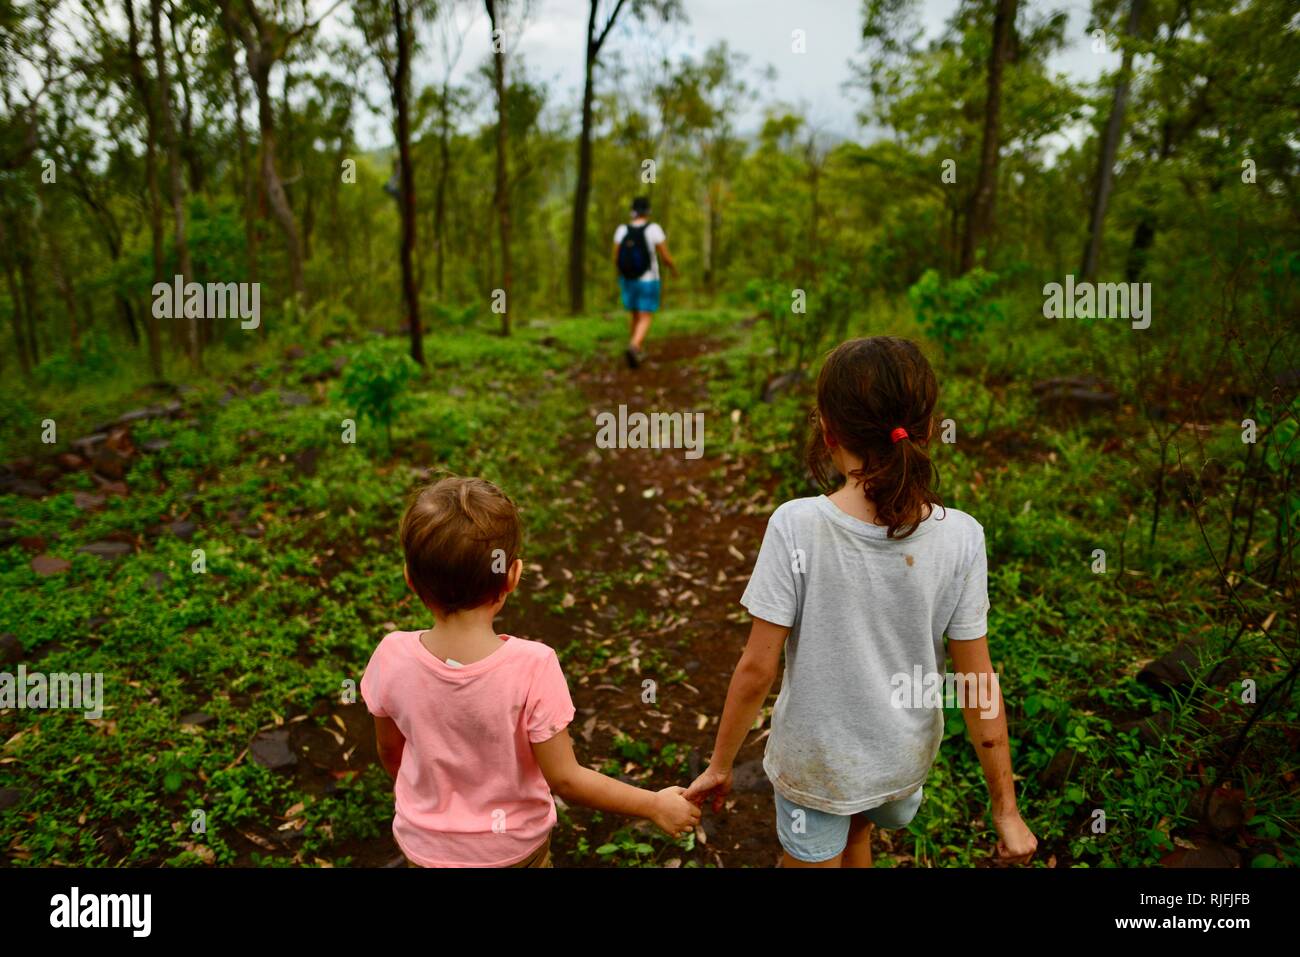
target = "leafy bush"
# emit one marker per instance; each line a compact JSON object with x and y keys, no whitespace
{"x":374,"y":384}
{"x":461,"y":317}
{"x":802,"y":321}
{"x":905,"y":246}
{"x":955,"y":311}
{"x":62,"y":370}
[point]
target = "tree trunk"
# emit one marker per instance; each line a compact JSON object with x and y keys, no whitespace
{"x":715,"y":226}
{"x":174,"y":170}
{"x":1105,"y":177}
{"x":261,"y":48}
{"x":272,"y":185}
{"x":406,"y":201}
{"x":582,"y":191}
{"x":20,"y":342}
{"x":814,"y":212}
{"x":980,"y":218}
{"x":502,"y":198}
{"x":440,"y":202}
{"x":189,"y":147}
{"x":246,"y":180}
{"x":341,"y":241}
{"x":31,"y":307}
{"x":152,"y":330}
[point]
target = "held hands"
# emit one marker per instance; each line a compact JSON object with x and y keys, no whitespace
{"x":1016,"y":843}
{"x":713,"y":783}
{"x":672,"y":813}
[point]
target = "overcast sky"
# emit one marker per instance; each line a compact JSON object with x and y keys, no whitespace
{"x":551,"y":46}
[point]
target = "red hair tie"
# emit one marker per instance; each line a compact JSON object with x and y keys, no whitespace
{"x":897,"y":434}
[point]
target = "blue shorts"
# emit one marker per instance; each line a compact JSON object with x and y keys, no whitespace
{"x":640,"y":295}
{"x":813,"y":836}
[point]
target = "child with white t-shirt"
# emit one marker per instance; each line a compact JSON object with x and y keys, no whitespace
{"x":859,"y":588}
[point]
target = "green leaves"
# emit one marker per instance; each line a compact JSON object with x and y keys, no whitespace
{"x":374,"y":384}
{"x":954,"y":312}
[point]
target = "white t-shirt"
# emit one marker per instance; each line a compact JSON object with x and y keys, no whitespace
{"x":654,"y":235}
{"x":862,"y":608}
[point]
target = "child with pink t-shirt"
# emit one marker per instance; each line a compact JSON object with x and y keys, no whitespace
{"x":472,"y":725}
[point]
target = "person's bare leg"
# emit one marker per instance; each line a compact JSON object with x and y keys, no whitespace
{"x":640,"y":326}
{"x":788,"y":861}
{"x":857,"y":852}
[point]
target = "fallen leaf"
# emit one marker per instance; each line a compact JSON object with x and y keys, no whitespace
{"x":260,"y":841}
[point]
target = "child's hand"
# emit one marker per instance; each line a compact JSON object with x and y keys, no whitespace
{"x":672,"y":813}
{"x":713,"y":783}
{"x":1016,"y":843}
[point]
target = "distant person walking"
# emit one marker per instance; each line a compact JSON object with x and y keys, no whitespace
{"x":638,"y":246}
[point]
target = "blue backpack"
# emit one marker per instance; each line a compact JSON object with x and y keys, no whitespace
{"x":634,"y":252}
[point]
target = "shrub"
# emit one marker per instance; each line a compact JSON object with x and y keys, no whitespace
{"x":955,"y":311}
{"x":374,"y":384}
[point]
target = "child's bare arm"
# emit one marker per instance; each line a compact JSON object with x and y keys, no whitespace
{"x":390,"y":742}
{"x":987,"y":728}
{"x":750,"y":684}
{"x":667,"y":809}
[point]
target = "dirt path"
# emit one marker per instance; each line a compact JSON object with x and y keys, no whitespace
{"x":695,"y":541}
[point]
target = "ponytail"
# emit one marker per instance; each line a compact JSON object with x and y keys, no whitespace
{"x":876,"y":397}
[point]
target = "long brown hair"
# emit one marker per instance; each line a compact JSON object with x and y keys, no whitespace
{"x":867,"y":388}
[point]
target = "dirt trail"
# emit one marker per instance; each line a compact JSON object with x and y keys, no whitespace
{"x":658,"y":504}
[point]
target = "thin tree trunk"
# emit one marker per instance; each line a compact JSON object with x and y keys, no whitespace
{"x":273,"y":186}
{"x":582,"y":190}
{"x":502,"y":198}
{"x":401,"y":104}
{"x":246,"y":179}
{"x":983,"y":201}
{"x":20,"y":342}
{"x":193,"y":161}
{"x":715,"y":225}
{"x":174,"y":171}
{"x":440,"y":201}
{"x":814,"y":219}
{"x":260,"y":52}
{"x":31,"y":306}
{"x":1105,"y":176}
{"x":152,"y":330}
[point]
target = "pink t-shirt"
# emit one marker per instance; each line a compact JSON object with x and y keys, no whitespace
{"x":469,"y":792}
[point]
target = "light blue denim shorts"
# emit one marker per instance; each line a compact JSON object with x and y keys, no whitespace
{"x":813,"y":836}
{"x":640,"y":295}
